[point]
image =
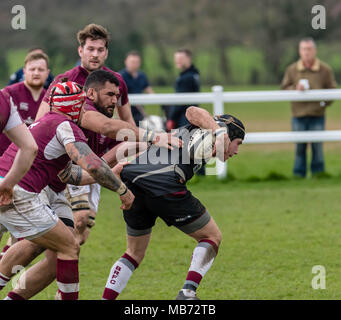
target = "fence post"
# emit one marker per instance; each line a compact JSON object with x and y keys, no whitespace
{"x":218,"y":108}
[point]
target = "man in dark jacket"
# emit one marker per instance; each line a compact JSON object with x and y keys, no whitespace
{"x":187,"y":81}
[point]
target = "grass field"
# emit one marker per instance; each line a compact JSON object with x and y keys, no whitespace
{"x":275,"y":230}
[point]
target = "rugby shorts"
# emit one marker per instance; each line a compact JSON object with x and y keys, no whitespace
{"x":28,"y":216}
{"x":59,"y":204}
{"x":183,"y":211}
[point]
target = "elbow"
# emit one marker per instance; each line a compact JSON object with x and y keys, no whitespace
{"x":33,"y":148}
{"x":191,"y":112}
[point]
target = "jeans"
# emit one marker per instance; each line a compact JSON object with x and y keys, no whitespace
{"x":317,"y":161}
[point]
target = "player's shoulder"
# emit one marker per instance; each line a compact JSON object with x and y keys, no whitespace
{"x":15,"y":87}
{"x":115,"y":73}
{"x":72,"y":74}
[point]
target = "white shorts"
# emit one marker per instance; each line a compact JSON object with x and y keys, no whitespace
{"x":59,"y":204}
{"x":76,"y":191}
{"x":92,"y":190}
{"x":28,"y":216}
{"x":94,"y":196}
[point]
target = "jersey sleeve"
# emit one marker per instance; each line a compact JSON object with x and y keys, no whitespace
{"x":14,"y":118}
{"x":68,"y":132}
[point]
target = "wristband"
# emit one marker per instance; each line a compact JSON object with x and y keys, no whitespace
{"x":122,"y":190}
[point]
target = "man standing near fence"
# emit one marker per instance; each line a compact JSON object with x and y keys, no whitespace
{"x":308,"y":73}
{"x":187,"y":81}
{"x":136,"y":81}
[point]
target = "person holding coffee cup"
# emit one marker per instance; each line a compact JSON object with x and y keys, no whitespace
{"x":308,"y":73}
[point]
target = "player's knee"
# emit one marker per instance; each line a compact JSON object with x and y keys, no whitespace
{"x":72,"y":249}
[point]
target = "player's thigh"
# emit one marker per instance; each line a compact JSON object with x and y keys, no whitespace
{"x":59,"y":239}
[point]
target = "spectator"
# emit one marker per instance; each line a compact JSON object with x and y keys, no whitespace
{"x":187,"y":81}
{"x":308,"y":73}
{"x":19,"y":76}
{"x":137,"y":82}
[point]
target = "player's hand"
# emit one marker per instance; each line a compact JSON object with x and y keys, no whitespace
{"x":127,"y":200}
{"x":116,"y":170}
{"x":221,"y":147}
{"x":167,"y":140}
{"x":6,"y":195}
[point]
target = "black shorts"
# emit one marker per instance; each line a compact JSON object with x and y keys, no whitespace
{"x":183,"y":211}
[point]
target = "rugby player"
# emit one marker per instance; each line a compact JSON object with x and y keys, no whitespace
{"x":162,"y":184}
{"x":59,"y":140}
{"x":102,"y":88}
{"x":93,"y":51}
{"x":27,"y":96}
{"x":158,"y":180}
{"x":12,"y":125}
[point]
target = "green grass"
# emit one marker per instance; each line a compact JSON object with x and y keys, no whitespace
{"x":274,"y":232}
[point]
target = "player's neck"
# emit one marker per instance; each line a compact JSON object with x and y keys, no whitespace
{"x":35,"y":91}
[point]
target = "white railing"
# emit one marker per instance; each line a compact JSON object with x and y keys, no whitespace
{"x":217,"y":97}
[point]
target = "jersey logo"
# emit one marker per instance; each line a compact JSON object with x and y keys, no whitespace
{"x":23,"y":106}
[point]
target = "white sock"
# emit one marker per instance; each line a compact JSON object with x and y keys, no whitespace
{"x":119,"y":276}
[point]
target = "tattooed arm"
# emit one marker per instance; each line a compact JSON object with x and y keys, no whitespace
{"x":80,"y":153}
{"x":74,"y":174}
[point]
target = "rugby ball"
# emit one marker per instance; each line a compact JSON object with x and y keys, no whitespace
{"x":200,"y":145}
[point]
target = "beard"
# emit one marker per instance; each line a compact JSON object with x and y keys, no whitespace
{"x":89,"y":67}
{"x":104,"y":110}
{"x":35,"y":84}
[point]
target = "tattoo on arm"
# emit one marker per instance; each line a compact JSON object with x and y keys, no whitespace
{"x":81,"y":153}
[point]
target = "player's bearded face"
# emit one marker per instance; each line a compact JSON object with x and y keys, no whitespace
{"x":93,"y":54}
{"x":106,"y":99}
{"x":36,"y":73}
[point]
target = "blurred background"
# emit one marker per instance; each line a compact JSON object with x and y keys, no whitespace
{"x":234,"y":42}
{"x":239,"y":44}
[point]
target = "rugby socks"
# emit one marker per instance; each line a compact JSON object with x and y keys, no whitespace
{"x":68,"y":279}
{"x":202,"y":259}
{"x":13,"y":296}
{"x":119,"y":276}
{"x":3,"y":281}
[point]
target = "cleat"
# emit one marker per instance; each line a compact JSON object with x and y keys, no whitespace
{"x":186,"y":294}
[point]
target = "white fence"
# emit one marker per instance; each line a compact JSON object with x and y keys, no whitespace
{"x":217,"y":97}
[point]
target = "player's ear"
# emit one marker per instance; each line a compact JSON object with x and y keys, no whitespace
{"x":80,"y":51}
{"x":91,"y":94}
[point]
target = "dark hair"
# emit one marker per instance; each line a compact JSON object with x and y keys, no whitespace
{"x":94,"y":32}
{"x":98,"y":78}
{"x":234,"y":126}
{"x":187,"y":52}
{"x":133,"y":53}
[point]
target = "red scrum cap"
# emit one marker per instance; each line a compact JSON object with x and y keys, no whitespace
{"x":68,"y":97}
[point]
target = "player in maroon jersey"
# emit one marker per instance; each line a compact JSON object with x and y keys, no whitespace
{"x":58,"y":139}
{"x":16,"y":131}
{"x":27,"y":96}
{"x":93,"y":51}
